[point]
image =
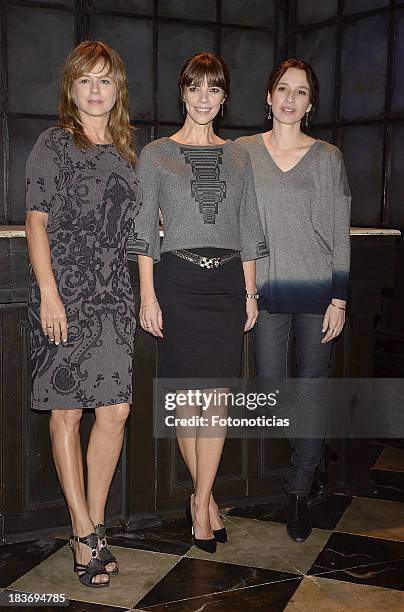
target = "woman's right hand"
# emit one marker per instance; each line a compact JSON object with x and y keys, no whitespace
{"x":53,"y":316}
{"x":151,"y":317}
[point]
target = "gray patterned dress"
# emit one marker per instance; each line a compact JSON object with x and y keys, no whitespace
{"x":91,"y":198}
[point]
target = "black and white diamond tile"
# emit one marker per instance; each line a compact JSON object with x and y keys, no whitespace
{"x":262,"y":598}
{"x":354,"y":559}
{"x":191,"y":578}
{"x":170,"y":537}
{"x":18,"y":559}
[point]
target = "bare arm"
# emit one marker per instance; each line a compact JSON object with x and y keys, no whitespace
{"x":151,"y":318}
{"x":52,"y":311}
{"x":251,"y":287}
{"x":334,"y":320}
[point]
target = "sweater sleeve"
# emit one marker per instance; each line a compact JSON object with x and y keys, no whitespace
{"x":145,"y":238}
{"x":41,"y":175}
{"x":252,"y":238}
{"x":342,"y":242}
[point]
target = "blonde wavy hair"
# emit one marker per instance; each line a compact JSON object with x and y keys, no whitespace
{"x":81,"y":61}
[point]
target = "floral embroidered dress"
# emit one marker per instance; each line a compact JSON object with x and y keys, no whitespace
{"x":90,"y":196}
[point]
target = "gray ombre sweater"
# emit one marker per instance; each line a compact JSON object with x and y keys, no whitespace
{"x":305,"y":213}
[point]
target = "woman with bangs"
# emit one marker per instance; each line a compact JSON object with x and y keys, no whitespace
{"x":81,"y":203}
{"x":202,"y":294}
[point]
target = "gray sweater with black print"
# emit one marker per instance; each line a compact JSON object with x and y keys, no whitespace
{"x":206,"y":196}
{"x":305,"y":213}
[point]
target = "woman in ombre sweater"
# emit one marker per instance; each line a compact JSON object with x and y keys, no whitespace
{"x":304,"y":202}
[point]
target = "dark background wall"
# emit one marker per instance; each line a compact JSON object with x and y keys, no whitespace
{"x":357,"y":50}
{"x":356,"y":47}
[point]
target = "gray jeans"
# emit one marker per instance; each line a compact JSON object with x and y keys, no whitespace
{"x":273,"y":335}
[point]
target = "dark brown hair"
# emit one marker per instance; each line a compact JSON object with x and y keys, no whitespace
{"x":201,"y":66}
{"x":80,"y":61}
{"x":291,"y":62}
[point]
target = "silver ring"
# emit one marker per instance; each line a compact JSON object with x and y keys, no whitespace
{"x":331,"y":329}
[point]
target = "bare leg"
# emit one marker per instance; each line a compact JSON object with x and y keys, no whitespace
{"x":103,"y":452}
{"x":188,"y":451}
{"x":208,"y":454}
{"x":202,"y":449}
{"x":64,"y":426}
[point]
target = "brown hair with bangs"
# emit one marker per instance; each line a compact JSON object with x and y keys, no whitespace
{"x":82,"y":60}
{"x":201,"y":67}
{"x":291,"y":62}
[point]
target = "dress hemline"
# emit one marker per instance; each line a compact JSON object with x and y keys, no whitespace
{"x":92,"y":407}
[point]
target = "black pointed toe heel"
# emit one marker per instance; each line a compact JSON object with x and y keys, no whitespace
{"x":94,"y":567}
{"x":208,"y":546}
{"x":220,"y":535}
{"x":105,"y":554}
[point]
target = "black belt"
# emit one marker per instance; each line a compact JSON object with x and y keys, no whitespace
{"x":206,"y":262}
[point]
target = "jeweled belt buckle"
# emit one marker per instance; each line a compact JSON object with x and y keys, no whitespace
{"x":210,"y":262}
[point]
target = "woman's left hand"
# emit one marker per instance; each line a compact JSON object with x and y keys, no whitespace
{"x":333,"y":322}
{"x":251,"y":313}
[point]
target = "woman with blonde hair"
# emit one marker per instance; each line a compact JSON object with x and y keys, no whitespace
{"x":81,"y":203}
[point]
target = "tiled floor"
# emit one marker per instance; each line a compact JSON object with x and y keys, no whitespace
{"x":353,"y":561}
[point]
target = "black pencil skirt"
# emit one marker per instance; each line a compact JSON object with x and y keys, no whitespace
{"x":203,"y":316}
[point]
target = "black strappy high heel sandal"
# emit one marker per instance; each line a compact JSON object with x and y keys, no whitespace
{"x":205,"y":545}
{"x":105,"y":554}
{"x":94,"y":567}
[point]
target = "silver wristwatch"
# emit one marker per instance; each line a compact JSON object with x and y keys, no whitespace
{"x":252,"y":296}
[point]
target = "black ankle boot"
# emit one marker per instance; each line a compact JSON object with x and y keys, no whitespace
{"x":298,"y":523}
{"x":319,"y":489}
